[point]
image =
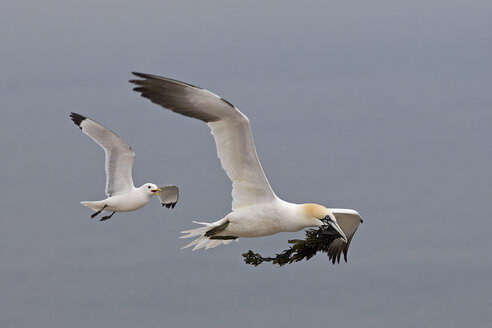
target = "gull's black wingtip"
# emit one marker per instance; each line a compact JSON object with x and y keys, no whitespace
{"x":77,"y":119}
{"x":169,"y":205}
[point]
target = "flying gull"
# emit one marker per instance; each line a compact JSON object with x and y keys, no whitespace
{"x":256,"y":210}
{"x":122,"y":194}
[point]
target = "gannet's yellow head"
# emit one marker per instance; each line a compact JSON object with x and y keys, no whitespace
{"x":321,"y":216}
{"x":316,"y":211}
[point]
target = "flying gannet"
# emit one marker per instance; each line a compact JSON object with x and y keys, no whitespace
{"x":122,"y":194}
{"x":256,"y":210}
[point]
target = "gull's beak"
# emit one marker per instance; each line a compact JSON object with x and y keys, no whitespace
{"x":338,"y":229}
{"x":155,"y":191}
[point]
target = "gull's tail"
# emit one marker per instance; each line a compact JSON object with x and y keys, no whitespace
{"x":96,"y":205}
{"x":207,"y":237}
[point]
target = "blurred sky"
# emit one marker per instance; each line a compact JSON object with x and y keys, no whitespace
{"x":380,"y":106}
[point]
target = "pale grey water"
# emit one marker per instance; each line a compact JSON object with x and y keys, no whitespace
{"x":379,"y":106}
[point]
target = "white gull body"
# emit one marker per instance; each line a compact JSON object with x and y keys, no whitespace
{"x":122,"y":194}
{"x":256,"y":210}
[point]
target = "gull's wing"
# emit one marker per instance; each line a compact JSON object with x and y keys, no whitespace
{"x":168,"y":196}
{"x":230,"y":129}
{"x":119,"y":156}
{"x":349,"y":221}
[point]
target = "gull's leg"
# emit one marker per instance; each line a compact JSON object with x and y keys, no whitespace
{"x":95,"y":214}
{"x":107,"y":217}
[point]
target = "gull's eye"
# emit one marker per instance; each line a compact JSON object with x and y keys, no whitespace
{"x":148,"y":187}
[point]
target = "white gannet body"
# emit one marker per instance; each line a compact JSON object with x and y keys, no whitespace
{"x":256,"y":210}
{"x":122,"y":194}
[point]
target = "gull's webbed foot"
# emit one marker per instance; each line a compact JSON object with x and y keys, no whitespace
{"x":95,"y":214}
{"x":107,"y":217}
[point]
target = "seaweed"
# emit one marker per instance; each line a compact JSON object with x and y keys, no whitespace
{"x":317,"y":240}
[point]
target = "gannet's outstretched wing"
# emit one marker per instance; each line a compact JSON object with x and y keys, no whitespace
{"x":349,"y":221}
{"x":230,"y":129}
{"x":119,"y":156}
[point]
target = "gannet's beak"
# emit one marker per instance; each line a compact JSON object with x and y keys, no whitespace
{"x":155,"y":191}
{"x":336,"y":227}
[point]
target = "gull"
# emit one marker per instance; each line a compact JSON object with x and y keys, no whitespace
{"x":122,"y":194}
{"x":256,"y":210}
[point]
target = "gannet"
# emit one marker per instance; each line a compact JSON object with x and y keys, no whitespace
{"x":122,"y":194}
{"x":256,"y":210}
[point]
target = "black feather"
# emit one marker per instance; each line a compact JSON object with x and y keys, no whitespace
{"x":77,"y":119}
{"x":169,"y":205}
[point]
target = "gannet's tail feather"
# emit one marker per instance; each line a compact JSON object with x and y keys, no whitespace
{"x":197,"y":231}
{"x":205,"y":241}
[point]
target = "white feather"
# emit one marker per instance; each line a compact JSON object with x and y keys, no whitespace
{"x":256,"y":210}
{"x":119,"y":157}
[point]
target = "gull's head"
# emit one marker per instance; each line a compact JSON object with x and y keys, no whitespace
{"x":151,"y":188}
{"x":320,"y":216}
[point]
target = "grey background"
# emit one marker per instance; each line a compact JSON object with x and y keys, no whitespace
{"x":380,"y":106}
